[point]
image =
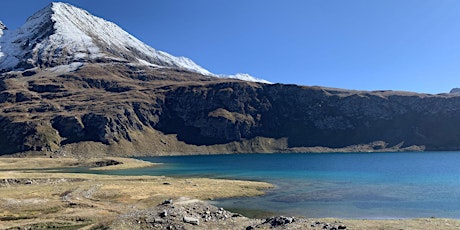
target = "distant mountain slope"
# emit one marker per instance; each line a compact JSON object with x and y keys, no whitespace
{"x":74,"y":84}
{"x":455,"y":91}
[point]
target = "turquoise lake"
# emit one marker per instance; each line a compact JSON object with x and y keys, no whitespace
{"x":343,"y":185}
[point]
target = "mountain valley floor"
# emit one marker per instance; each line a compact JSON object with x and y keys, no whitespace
{"x":35,"y":193}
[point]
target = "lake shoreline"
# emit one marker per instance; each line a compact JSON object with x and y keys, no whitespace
{"x":345,"y":185}
{"x":40,"y":199}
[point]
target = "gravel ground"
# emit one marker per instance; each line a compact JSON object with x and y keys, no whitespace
{"x":195,"y":214}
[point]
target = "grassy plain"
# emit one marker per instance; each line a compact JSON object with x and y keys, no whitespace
{"x":31,"y":196}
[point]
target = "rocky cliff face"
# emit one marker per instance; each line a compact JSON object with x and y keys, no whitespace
{"x":311,"y":116}
{"x":169,"y":111}
{"x":43,"y":110}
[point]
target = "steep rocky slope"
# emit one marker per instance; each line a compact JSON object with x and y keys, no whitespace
{"x":119,"y":110}
{"x":311,"y":116}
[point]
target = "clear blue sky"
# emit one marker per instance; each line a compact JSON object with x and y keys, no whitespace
{"x":411,"y":45}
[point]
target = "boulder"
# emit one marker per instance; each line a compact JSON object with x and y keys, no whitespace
{"x":279,"y":220}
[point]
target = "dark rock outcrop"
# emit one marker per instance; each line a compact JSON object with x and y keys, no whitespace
{"x":27,"y":136}
{"x":310,"y":116}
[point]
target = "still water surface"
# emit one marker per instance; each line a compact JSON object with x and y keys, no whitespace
{"x":344,"y":185}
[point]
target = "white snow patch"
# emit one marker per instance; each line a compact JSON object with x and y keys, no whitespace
{"x":2,"y":27}
{"x":244,"y":77}
{"x":144,"y":62}
{"x":1,"y":34}
{"x":67,"y":68}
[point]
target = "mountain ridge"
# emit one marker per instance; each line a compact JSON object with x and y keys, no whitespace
{"x":63,"y":101}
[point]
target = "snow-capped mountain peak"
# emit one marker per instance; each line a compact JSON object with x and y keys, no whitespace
{"x":61,"y":34}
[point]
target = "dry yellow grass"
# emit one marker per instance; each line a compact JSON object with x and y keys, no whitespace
{"x":48,"y":163}
{"x":31,"y":197}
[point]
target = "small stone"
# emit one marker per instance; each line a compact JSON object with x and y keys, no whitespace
{"x":158,"y":221}
{"x":163,"y":214}
{"x":170,"y":201}
{"x":191,"y":220}
{"x":342,"y":227}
